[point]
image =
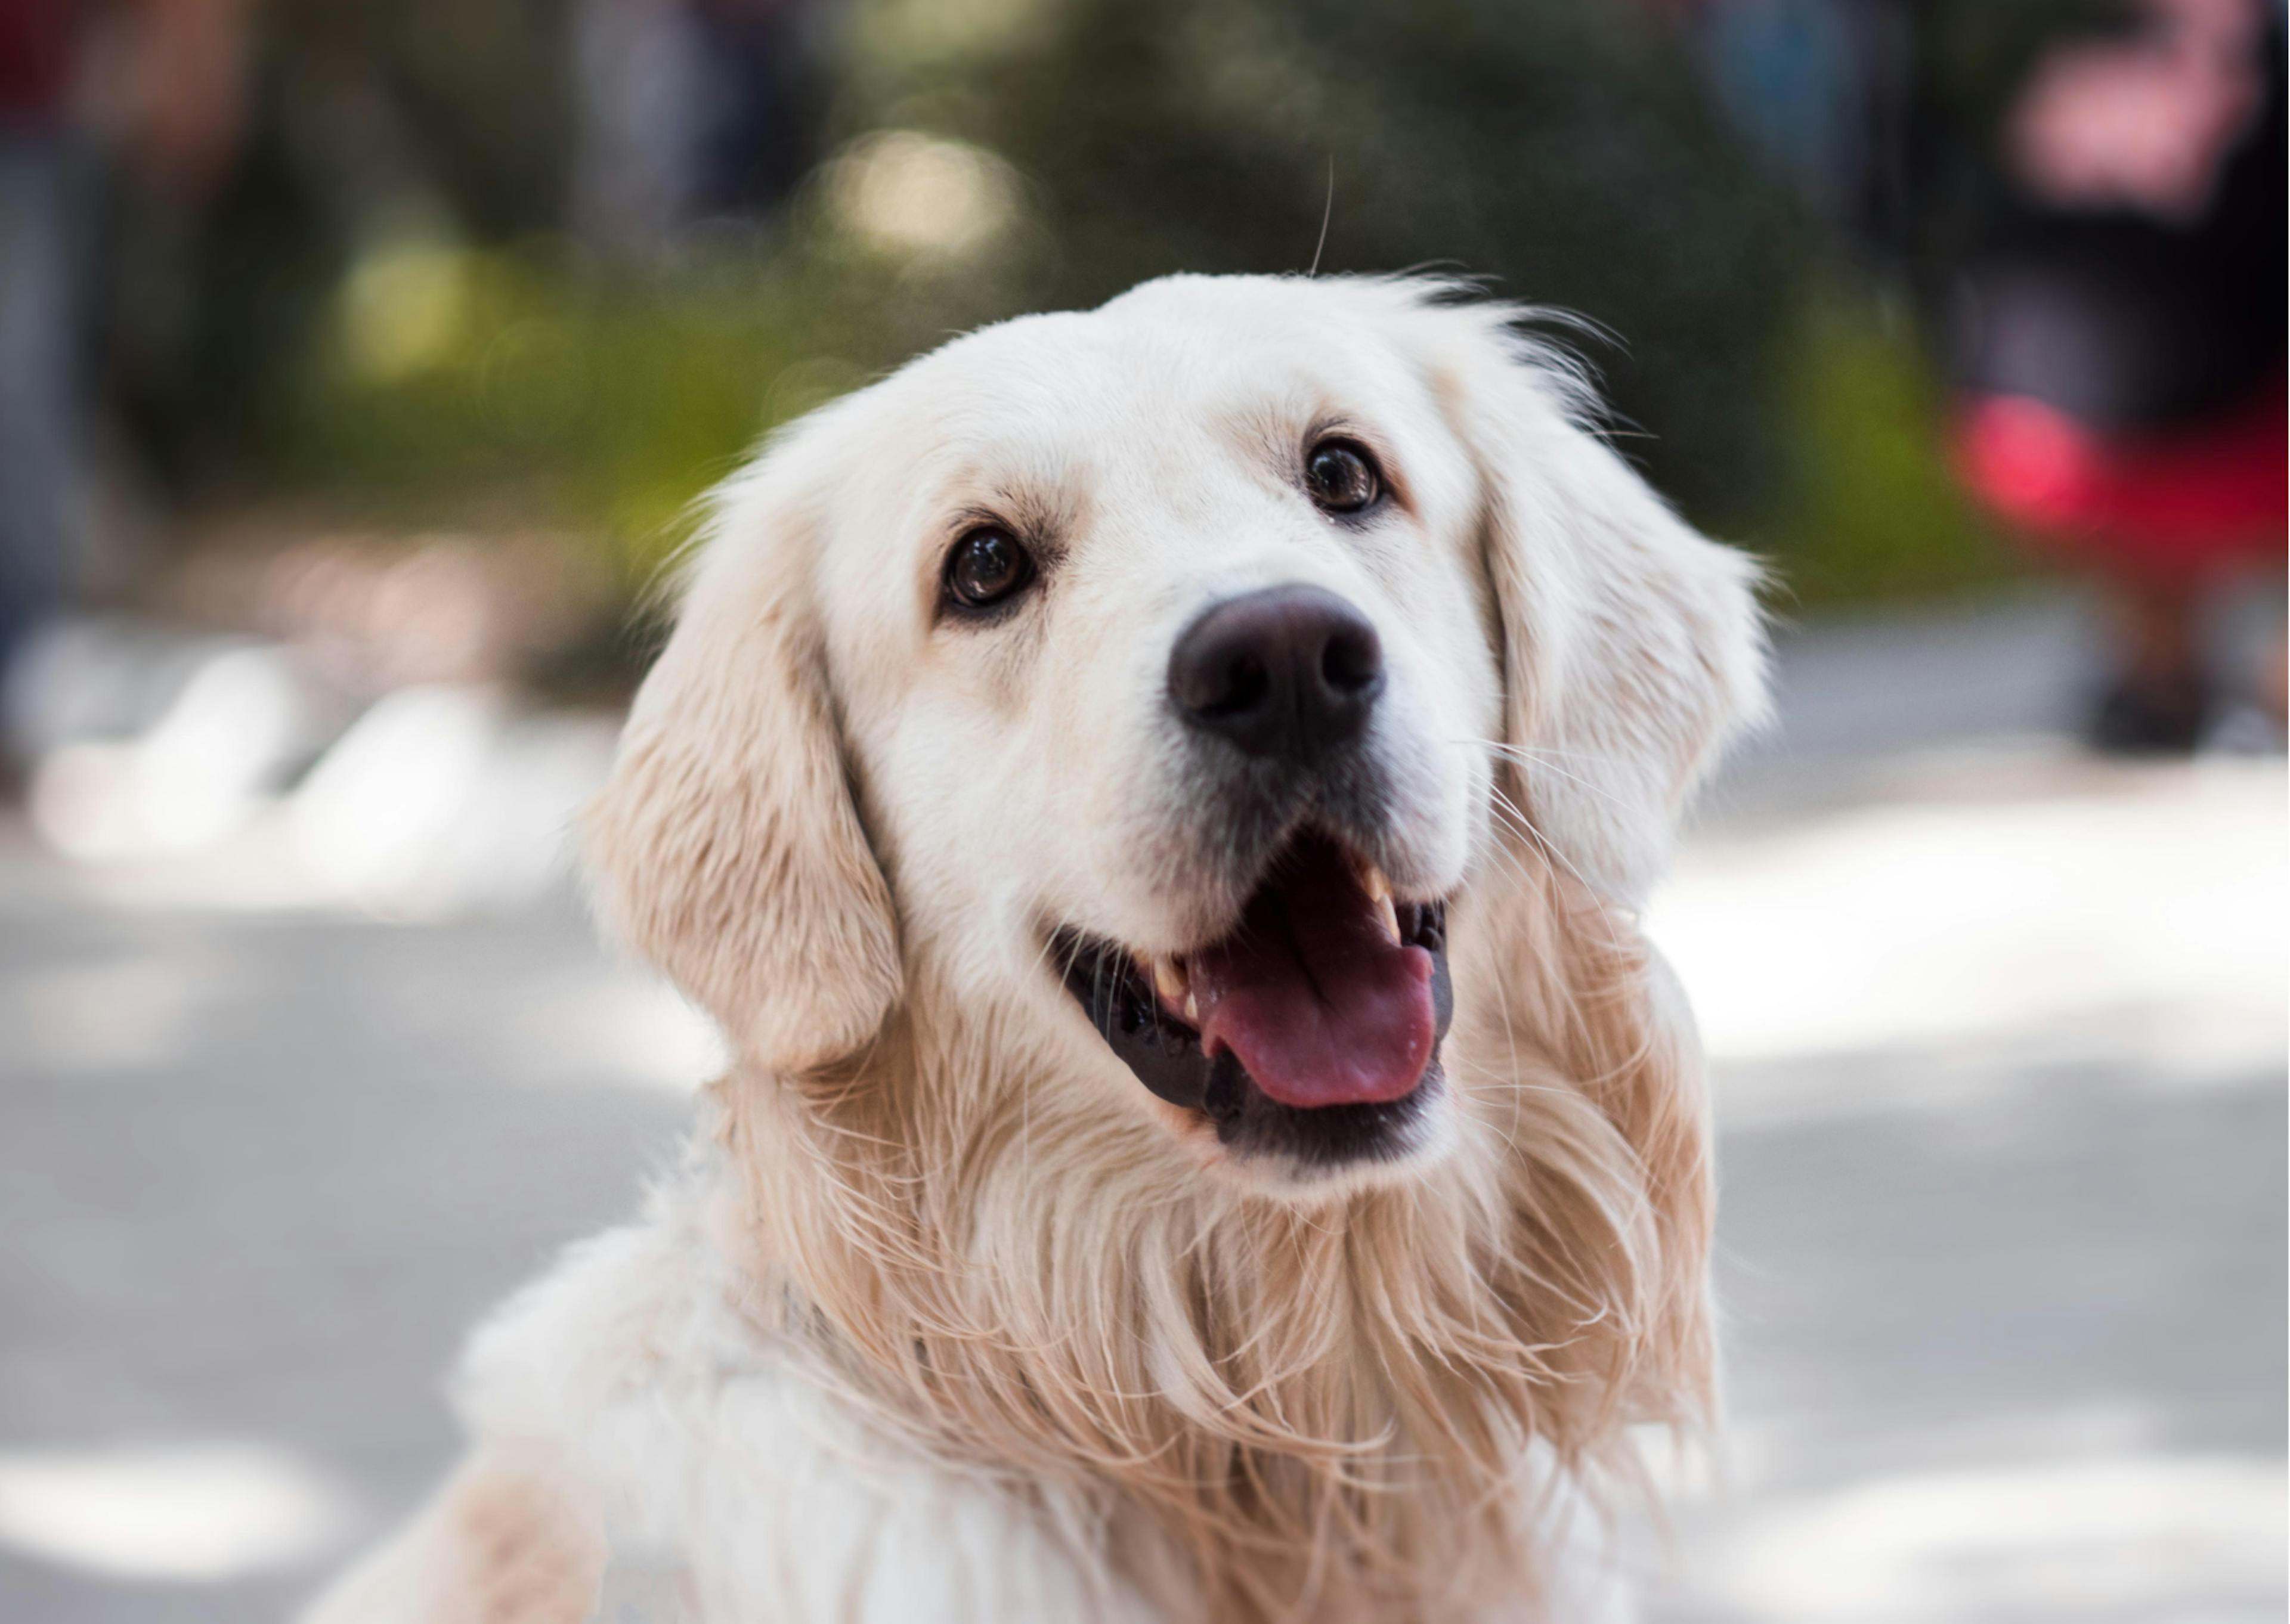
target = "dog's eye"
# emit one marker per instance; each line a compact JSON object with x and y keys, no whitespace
{"x":987,"y":566}
{"x":1341,"y":477}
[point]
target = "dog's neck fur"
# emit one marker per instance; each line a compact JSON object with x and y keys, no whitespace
{"x":1268,"y":1411}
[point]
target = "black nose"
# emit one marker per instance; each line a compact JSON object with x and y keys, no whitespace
{"x":1286,"y":672}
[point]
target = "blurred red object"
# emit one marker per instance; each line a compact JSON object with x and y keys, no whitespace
{"x":2176,"y":504}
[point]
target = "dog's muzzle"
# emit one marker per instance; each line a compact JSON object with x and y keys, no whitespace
{"x":1312,"y":1026}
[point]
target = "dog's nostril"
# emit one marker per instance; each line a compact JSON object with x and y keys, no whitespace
{"x":1244,"y":687}
{"x":1286,"y":672}
{"x":1353,"y":659}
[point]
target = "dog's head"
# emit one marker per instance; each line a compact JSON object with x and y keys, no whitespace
{"x":1151,"y":683}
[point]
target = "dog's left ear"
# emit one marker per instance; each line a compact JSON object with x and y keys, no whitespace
{"x":1633,"y":647}
{"x":726,"y":846}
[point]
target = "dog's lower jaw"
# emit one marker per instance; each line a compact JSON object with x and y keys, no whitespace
{"x":1306,"y":1038}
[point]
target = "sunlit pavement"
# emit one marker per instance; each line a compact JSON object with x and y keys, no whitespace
{"x":1999,"y":1038}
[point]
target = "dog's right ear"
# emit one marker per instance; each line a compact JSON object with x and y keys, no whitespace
{"x":1632,"y":648}
{"x":726,"y":847}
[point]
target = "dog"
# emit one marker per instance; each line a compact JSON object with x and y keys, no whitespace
{"x":1156,"y":799}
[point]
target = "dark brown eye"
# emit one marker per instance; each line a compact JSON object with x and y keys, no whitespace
{"x":1341,"y":477}
{"x":987,"y":566}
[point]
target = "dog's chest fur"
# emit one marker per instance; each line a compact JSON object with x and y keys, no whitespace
{"x":738,"y":1474}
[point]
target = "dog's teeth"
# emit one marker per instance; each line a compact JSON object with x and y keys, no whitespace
{"x":1170,"y":981}
{"x":1192,"y":1009}
{"x":1378,"y":893}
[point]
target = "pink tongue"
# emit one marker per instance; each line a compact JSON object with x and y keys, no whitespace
{"x":1320,"y":1006}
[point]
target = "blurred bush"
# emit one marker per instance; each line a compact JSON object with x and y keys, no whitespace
{"x":1869,"y":508}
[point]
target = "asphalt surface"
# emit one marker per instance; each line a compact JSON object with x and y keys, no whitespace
{"x":2000,"y":1042}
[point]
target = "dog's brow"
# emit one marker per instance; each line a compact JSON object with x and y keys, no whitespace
{"x":1044,"y":519}
{"x":1277,"y":431}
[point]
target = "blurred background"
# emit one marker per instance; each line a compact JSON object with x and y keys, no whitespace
{"x":360,"y":359}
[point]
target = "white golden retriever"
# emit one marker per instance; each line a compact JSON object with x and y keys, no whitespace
{"x":1156,"y":799}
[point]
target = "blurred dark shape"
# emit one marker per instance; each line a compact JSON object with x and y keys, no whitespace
{"x":172,"y":98}
{"x":690,"y":109}
{"x":1828,"y":92}
{"x":763,"y":102}
{"x":37,"y":381}
{"x":38,"y":44}
{"x":1792,"y":74}
{"x":640,"y":64}
{"x":2120,"y":336}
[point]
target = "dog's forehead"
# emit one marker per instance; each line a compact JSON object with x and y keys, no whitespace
{"x":1185,"y":365}
{"x":1154,"y":433}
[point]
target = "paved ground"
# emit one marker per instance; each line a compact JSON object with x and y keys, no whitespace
{"x":2000,"y":1039}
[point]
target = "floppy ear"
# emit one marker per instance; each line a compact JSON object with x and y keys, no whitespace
{"x":1633,"y":647}
{"x":725,"y":846}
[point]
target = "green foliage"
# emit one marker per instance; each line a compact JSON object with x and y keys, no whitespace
{"x":612,"y":402}
{"x":444,"y":378}
{"x":1871,"y":509}
{"x":999,"y":155}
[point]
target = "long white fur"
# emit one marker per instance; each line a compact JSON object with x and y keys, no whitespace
{"x":946,"y":1318}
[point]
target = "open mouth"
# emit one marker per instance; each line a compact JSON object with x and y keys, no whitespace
{"x":1311,"y":1029}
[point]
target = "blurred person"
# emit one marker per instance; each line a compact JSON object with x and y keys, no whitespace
{"x":637,"y":67}
{"x":36,"y":55}
{"x":690,"y":109}
{"x":1824,"y":93}
{"x":2120,"y":338}
{"x":2108,"y":277}
{"x":174,"y":100}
